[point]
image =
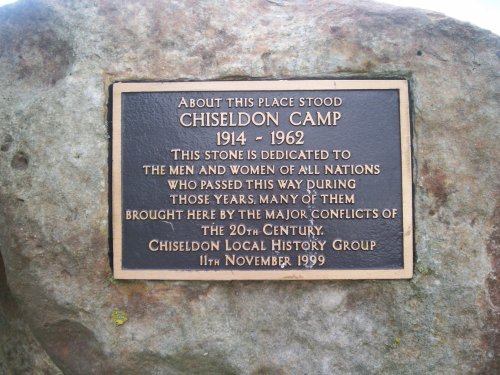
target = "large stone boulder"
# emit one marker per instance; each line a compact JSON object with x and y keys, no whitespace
{"x":57,"y":293}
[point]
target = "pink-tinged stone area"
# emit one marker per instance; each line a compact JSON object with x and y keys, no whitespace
{"x":57,"y":293}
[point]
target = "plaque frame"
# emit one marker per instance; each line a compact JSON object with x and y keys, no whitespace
{"x":293,"y":85}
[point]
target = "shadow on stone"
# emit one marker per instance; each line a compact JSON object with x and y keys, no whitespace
{"x":20,"y":161}
{"x":72,"y":347}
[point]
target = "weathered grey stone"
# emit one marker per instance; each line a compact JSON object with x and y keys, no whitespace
{"x":57,"y":59}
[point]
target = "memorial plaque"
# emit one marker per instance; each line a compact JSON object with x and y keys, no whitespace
{"x":262,"y":180}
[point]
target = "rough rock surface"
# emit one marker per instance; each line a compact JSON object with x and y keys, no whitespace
{"x":57,"y":294}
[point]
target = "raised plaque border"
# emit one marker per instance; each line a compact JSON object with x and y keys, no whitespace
{"x":300,"y":85}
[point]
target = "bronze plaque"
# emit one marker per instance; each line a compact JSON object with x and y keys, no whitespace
{"x":262,"y":180}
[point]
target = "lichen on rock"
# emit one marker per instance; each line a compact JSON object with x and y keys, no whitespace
{"x":119,"y":317}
